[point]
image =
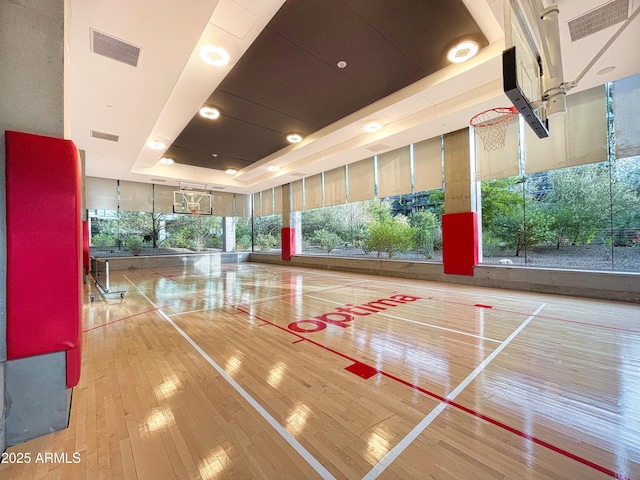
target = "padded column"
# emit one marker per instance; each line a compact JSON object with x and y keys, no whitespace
{"x":288,"y":236}
{"x":44,"y":248}
{"x":460,"y":242}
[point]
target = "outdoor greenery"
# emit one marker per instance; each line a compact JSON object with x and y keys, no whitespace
{"x":597,"y":204}
{"x":571,"y":206}
{"x":372,"y":227}
{"x":131,"y":231}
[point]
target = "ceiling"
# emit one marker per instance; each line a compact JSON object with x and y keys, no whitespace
{"x":283,"y":77}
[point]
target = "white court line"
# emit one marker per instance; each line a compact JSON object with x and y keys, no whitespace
{"x":418,"y":429}
{"x":285,"y":295}
{"x":420,"y":323}
{"x":290,"y":439}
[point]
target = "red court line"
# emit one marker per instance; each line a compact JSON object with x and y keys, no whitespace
{"x":121,"y":319}
{"x":459,"y":406}
{"x":146,"y":311}
{"x":163,"y":275}
{"x":546,"y":317}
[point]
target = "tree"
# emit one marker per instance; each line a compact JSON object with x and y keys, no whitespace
{"x":522,"y":232}
{"x":579,"y":202}
{"x":386,"y":233}
{"x":326,"y":240}
{"x":500,"y":198}
{"x":426,"y":228}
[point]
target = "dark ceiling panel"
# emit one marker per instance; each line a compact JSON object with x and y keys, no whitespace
{"x":423,"y":30}
{"x":288,"y":80}
{"x":195,"y":158}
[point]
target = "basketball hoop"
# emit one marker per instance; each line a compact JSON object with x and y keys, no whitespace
{"x":491,"y":126}
{"x":193,"y":207}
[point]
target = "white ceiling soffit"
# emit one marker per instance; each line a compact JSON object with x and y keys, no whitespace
{"x":199,"y":79}
{"x":623,"y":54}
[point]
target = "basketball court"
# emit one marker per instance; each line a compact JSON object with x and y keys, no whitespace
{"x":249,"y":370}
{"x":254,"y":371}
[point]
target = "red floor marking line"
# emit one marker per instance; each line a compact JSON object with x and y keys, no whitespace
{"x":146,"y":311}
{"x":459,"y":406}
{"x":513,"y":430}
{"x":547,"y":317}
{"x":121,"y":319}
{"x":163,"y":275}
{"x":297,"y":341}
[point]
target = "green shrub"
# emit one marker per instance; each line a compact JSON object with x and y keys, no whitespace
{"x":390,"y":236}
{"x":519,"y":233}
{"x":265,"y":241}
{"x":134,"y":243}
{"x":426,"y":230}
{"x":243,"y":242}
{"x":326,"y":240}
{"x":103,"y":240}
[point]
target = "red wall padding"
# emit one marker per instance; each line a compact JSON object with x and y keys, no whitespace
{"x":44,"y":245}
{"x":288,"y":236}
{"x":74,"y":362}
{"x":86,"y":257}
{"x":460,"y":242}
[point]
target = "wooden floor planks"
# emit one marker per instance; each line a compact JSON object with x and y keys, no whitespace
{"x":205,"y":375}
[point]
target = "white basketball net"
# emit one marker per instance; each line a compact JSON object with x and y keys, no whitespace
{"x":491,"y":126}
{"x":193,"y":207}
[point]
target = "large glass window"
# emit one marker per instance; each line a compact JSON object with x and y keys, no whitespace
{"x":267,"y":233}
{"x":403,"y":227}
{"x":585,"y":215}
{"x":126,"y":233}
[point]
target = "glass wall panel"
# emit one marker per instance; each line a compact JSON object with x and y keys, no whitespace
{"x":267,"y":233}
{"x":126,"y":233}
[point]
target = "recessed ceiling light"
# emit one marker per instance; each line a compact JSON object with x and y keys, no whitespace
{"x":342,"y":64}
{"x":273,"y":168}
{"x":231,"y":171}
{"x":209,"y":112}
{"x":166,"y":160}
{"x":373,"y":126}
{"x":215,"y":56}
{"x":463,"y":52}
{"x":156,"y":145}
{"x":294,"y":138}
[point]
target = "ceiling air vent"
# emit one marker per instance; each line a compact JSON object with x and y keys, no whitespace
{"x":111,"y":47}
{"x":158,"y":180}
{"x":598,"y":19}
{"x":104,"y":136}
{"x":297,"y":174}
{"x":378,"y":147}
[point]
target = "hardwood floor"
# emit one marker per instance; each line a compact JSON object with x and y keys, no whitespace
{"x":254,"y":371}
